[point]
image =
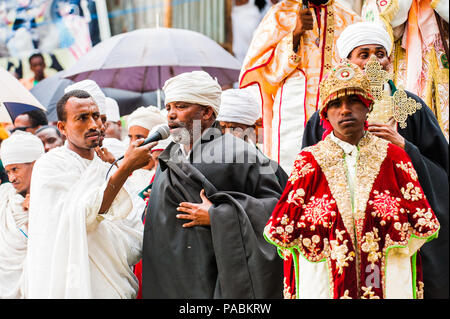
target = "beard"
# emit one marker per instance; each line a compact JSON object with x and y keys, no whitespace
{"x":181,"y":135}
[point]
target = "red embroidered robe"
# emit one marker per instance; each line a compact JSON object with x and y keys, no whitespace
{"x":359,"y":245}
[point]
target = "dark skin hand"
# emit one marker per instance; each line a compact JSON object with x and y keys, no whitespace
{"x":104,"y":154}
{"x":304,"y":23}
{"x":387,"y":132}
{"x":197,"y":213}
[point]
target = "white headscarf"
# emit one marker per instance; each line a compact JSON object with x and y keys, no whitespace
{"x":146,"y":117}
{"x":112,"y":110}
{"x":239,"y":106}
{"x":193,"y":87}
{"x":362,"y":33}
{"x":21,"y":147}
{"x":93,"y":89}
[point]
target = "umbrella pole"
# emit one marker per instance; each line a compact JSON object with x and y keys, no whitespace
{"x":158,"y":96}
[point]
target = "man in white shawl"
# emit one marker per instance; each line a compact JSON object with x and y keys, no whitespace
{"x":140,"y":123}
{"x":18,"y":153}
{"x":85,"y":229}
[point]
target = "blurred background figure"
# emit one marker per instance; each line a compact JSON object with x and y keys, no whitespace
{"x":239,"y":111}
{"x":113,"y":129}
{"x":30,"y":121}
{"x":18,"y":153}
{"x":140,"y":123}
{"x":245,"y":19}
{"x":37,"y":66}
{"x":50,"y":136}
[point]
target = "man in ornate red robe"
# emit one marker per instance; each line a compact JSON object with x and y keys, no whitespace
{"x":353,"y":215}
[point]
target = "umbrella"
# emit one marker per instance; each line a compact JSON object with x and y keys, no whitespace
{"x":15,"y":99}
{"x":142,"y":60}
{"x":51,"y":89}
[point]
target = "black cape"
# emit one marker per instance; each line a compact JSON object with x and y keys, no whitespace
{"x":229,"y":259}
{"x":428,"y":150}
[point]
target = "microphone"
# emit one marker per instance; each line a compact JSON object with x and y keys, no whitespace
{"x":161,"y":133}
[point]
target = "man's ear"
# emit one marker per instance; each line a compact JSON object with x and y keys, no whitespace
{"x":61,"y":125}
{"x":208,"y":113}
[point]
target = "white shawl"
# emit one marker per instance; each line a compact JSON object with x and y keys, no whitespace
{"x":74,"y":252}
{"x":13,"y":243}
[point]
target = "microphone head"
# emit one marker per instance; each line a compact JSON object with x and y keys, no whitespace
{"x":163,"y":130}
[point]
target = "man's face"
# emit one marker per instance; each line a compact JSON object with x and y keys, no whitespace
{"x":82,"y":126}
{"x":136,"y":132}
{"x":23,"y":120}
{"x":50,"y":139}
{"x":239,"y":130}
{"x":20,"y":176}
{"x":181,"y":117}
{"x":37,"y":65}
{"x":113,"y":130}
{"x":361,"y":55}
{"x":347,"y":115}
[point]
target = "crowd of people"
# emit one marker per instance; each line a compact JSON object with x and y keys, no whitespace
{"x":343,"y":192}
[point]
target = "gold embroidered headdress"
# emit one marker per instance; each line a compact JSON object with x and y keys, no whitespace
{"x":344,"y":79}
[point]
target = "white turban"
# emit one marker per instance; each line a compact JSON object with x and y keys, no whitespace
{"x":21,"y":147}
{"x":112,"y":110}
{"x":93,"y":89}
{"x":239,"y":106}
{"x":362,"y":33}
{"x":146,"y":117}
{"x":193,"y":87}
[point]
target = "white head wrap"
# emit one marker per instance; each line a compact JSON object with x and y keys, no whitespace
{"x":112,"y":110}
{"x":93,"y":89}
{"x":193,"y":87}
{"x":21,"y":147}
{"x":146,"y":117}
{"x":239,"y":106}
{"x":362,"y":33}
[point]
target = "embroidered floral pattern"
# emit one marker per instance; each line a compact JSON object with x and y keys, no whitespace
{"x":301,"y":169}
{"x":287,"y":290}
{"x":419,"y":290}
{"x":317,"y":212}
{"x":368,"y":293}
{"x":411,"y":193}
{"x":408,"y":168}
{"x":386,"y":207}
{"x":340,"y":252}
{"x":296,"y":197}
{"x":425,"y":219}
{"x":403,"y":230}
{"x":345,"y":295}
{"x":371,"y":247}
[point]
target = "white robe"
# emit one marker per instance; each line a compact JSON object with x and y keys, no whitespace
{"x":13,"y":242}
{"x":73,"y":252}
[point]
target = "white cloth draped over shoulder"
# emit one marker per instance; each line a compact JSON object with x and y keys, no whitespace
{"x":74,"y":252}
{"x":13,"y":243}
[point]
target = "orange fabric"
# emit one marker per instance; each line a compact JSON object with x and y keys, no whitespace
{"x":28,"y":83}
{"x":270,"y":60}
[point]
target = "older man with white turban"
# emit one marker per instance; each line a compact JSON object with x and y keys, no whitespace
{"x":239,"y":111}
{"x":18,"y":153}
{"x":221,"y":188}
{"x":410,"y":125}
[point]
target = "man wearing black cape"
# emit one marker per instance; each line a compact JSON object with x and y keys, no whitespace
{"x":209,"y":203}
{"x":421,"y":138}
